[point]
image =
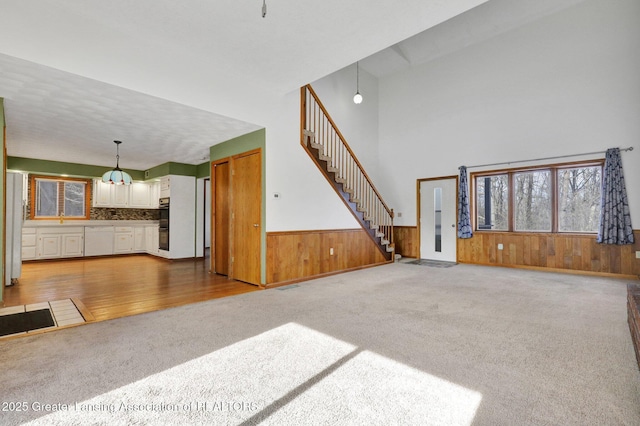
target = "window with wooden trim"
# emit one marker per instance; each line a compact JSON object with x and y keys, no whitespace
{"x":55,"y":197}
{"x":552,"y":198}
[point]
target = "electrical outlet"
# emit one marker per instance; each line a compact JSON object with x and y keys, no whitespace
{"x":500,"y":247}
{"x":331,"y":251}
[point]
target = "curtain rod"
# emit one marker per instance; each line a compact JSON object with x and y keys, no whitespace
{"x":546,"y":158}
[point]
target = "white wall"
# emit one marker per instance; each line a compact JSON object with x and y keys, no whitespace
{"x":565,"y":84}
{"x":307,"y":201}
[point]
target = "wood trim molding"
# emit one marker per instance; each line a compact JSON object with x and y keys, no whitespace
{"x":32,"y":195}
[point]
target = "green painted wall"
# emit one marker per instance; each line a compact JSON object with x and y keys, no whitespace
{"x":2,"y":175}
{"x":171,"y":169}
{"x":238,"y":145}
{"x":203,"y":170}
{"x":32,"y":165}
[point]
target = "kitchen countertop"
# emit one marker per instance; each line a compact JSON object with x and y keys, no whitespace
{"x":55,"y":223}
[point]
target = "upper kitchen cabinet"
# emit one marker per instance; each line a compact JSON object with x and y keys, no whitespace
{"x":101,"y":194}
{"x":142,"y":195}
{"x":110,"y":195}
{"x":165,"y":186}
{"x":138,"y":195}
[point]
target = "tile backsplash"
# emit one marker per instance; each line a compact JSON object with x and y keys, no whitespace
{"x":108,"y":213}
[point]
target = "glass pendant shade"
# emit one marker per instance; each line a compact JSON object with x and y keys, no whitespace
{"x":357,"y":98}
{"x":117,"y":176}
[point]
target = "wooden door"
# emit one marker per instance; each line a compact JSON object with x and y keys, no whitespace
{"x":246,"y":184}
{"x":220,"y":183}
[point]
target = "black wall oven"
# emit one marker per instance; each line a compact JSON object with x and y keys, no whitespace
{"x":163,"y":224}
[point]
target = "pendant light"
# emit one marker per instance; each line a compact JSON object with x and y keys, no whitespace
{"x":357,"y":98}
{"x":117,"y":176}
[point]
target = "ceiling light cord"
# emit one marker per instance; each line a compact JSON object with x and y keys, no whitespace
{"x":357,"y":98}
{"x":264,"y":8}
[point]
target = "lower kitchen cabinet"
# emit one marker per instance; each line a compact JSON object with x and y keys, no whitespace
{"x":123,"y":239}
{"x":29,"y":243}
{"x":69,"y":241}
{"x":73,"y":245}
{"x":53,"y":243}
{"x":138,"y":239}
{"x":151,"y":239}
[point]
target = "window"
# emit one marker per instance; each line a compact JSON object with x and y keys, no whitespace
{"x":555,"y":198}
{"x":532,"y":209}
{"x":492,"y":201}
{"x":52,"y":197}
{"x":579,"y":196}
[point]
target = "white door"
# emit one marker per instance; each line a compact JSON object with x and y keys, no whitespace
{"x":438,"y":231}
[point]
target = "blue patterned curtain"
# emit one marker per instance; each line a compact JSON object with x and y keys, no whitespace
{"x":615,"y":219}
{"x":464,"y":218}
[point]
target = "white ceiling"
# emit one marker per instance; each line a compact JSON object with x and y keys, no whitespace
{"x":170,"y":79}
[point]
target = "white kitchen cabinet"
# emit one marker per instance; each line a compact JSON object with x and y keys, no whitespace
{"x":101,"y":193}
{"x":138,"y":239}
{"x":120,"y":195}
{"x":140,"y":195}
{"x":49,"y":246}
{"x":29,"y":243}
{"x":72,"y":245}
{"x":151,"y":240}
{"x":123,"y":239}
{"x":110,"y":195}
{"x":59,"y":242}
{"x":165,"y":186}
{"x":155,"y":194}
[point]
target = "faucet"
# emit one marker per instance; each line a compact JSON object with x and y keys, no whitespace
{"x":62,"y":217}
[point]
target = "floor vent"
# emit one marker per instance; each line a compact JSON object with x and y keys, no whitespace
{"x":288,"y":287}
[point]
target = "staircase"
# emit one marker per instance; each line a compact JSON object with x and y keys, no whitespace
{"x":325,"y":144}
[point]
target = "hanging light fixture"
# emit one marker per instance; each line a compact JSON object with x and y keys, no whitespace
{"x":357,"y":98}
{"x":264,"y":8}
{"x":117,"y":176}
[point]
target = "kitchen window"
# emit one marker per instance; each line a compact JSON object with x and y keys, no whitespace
{"x":552,"y":198}
{"x":56,"y":197}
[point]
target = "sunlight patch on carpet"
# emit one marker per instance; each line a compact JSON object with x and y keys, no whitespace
{"x":288,"y":375}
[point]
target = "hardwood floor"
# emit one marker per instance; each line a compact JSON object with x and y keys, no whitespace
{"x":113,"y":287}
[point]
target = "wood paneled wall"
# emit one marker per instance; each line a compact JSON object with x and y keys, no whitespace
{"x":553,"y":251}
{"x":295,"y":255}
{"x":406,"y":241}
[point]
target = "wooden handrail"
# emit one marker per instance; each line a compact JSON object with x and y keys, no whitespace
{"x":322,"y":139}
{"x":344,"y":141}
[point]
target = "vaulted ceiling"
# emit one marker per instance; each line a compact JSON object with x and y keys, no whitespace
{"x":170,"y":79}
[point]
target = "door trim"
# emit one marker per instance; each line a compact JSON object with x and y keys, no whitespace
{"x":231,"y":159}
{"x":419,"y":202}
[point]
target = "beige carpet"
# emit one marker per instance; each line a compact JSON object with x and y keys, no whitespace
{"x":397,"y":344}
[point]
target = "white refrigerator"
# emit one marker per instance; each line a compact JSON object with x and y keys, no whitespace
{"x":13,"y":231}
